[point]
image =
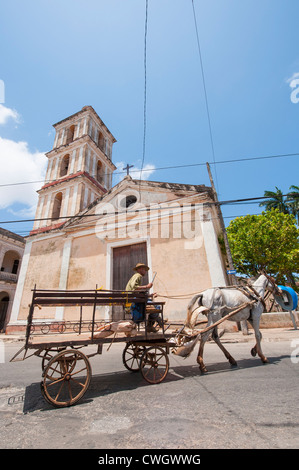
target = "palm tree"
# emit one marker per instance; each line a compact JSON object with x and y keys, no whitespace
{"x":275,"y":200}
{"x":292,"y":201}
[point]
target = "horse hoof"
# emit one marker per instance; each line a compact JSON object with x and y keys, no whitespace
{"x":233,"y":364}
{"x":203,"y":370}
{"x":265,"y":360}
{"x":253,"y":352}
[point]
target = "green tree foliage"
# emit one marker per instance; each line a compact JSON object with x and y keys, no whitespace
{"x":288,"y":204}
{"x":275,"y":200}
{"x":292,"y":201}
{"x":267,"y":241}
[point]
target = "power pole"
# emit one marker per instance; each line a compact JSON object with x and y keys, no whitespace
{"x":231,"y":275}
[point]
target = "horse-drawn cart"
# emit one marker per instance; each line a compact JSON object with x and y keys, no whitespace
{"x":66,"y":370}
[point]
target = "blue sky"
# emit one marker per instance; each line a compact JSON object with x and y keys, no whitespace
{"x":58,"y":56}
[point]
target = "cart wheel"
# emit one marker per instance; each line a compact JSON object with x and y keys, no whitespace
{"x":154,"y":365}
{"x":66,"y":378}
{"x":132,"y":355}
{"x":48,"y":354}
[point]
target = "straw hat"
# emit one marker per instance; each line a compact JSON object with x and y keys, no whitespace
{"x":141,"y":265}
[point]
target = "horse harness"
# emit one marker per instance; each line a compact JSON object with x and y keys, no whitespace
{"x":249,"y":291}
{"x":252,"y":294}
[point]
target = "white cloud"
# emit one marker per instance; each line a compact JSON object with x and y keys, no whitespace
{"x":8,"y":113}
{"x":135,"y":172}
{"x":19,"y":165}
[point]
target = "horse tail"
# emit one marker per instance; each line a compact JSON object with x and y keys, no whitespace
{"x":186,"y":349}
{"x":190,"y":308}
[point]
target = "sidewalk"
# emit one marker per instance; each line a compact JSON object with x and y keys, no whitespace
{"x":269,"y":334}
{"x":12,"y":338}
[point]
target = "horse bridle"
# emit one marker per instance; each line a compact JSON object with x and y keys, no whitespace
{"x":252,"y":293}
{"x":271,"y":279}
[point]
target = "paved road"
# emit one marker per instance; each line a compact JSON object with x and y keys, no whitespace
{"x":252,"y":406}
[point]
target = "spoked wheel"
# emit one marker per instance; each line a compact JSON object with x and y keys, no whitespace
{"x":66,"y":378}
{"x":48,"y":354}
{"x":154,"y":365}
{"x":132,"y":355}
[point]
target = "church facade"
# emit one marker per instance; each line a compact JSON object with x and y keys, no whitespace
{"x":88,"y":234}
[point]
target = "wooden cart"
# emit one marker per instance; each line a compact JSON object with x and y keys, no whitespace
{"x":66,"y":370}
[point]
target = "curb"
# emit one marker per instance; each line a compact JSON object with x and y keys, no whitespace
{"x":268,"y":335}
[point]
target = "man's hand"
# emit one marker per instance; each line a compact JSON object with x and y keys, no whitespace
{"x":149,"y":286}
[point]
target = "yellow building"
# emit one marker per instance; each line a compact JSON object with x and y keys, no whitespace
{"x":88,"y":234}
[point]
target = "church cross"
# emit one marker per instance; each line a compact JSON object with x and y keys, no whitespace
{"x":128,"y":168}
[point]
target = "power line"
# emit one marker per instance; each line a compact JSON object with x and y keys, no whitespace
{"x":145,"y":89}
{"x":205,"y":90}
{"x":26,"y":232}
{"x":172,"y":167}
{"x":147,"y":209}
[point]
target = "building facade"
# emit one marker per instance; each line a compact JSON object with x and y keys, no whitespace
{"x":90,"y":235}
{"x":11,"y":253}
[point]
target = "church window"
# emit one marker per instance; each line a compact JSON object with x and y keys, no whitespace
{"x":64,"y":165}
{"x":57,"y":206}
{"x":130,"y":200}
{"x":101,"y":141}
{"x":127,"y":201}
{"x":70,"y":134}
{"x":15,"y":266}
{"x":100,"y":173}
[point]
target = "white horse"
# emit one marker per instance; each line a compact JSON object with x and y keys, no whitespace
{"x":218,"y":302}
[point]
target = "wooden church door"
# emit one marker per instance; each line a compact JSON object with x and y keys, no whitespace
{"x":124,"y":260}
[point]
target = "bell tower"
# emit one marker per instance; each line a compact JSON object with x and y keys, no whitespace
{"x":79,"y":169}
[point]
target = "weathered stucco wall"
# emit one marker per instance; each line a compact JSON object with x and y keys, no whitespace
{"x":87,"y":266}
{"x":43,"y":271}
{"x":180,"y":271}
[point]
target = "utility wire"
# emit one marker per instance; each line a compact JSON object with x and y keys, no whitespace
{"x":152,"y":224}
{"x":205,"y":90}
{"x":207,"y":203}
{"x":145,"y":90}
{"x":172,"y":167}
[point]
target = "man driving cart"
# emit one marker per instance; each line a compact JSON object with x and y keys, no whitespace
{"x":137,"y":310}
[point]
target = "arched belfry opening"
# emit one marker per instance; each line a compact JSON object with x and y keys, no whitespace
{"x":57,"y":206}
{"x":100,"y":173}
{"x":64,"y":165}
{"x":70,"y":134}
{"x":101,"y":141}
